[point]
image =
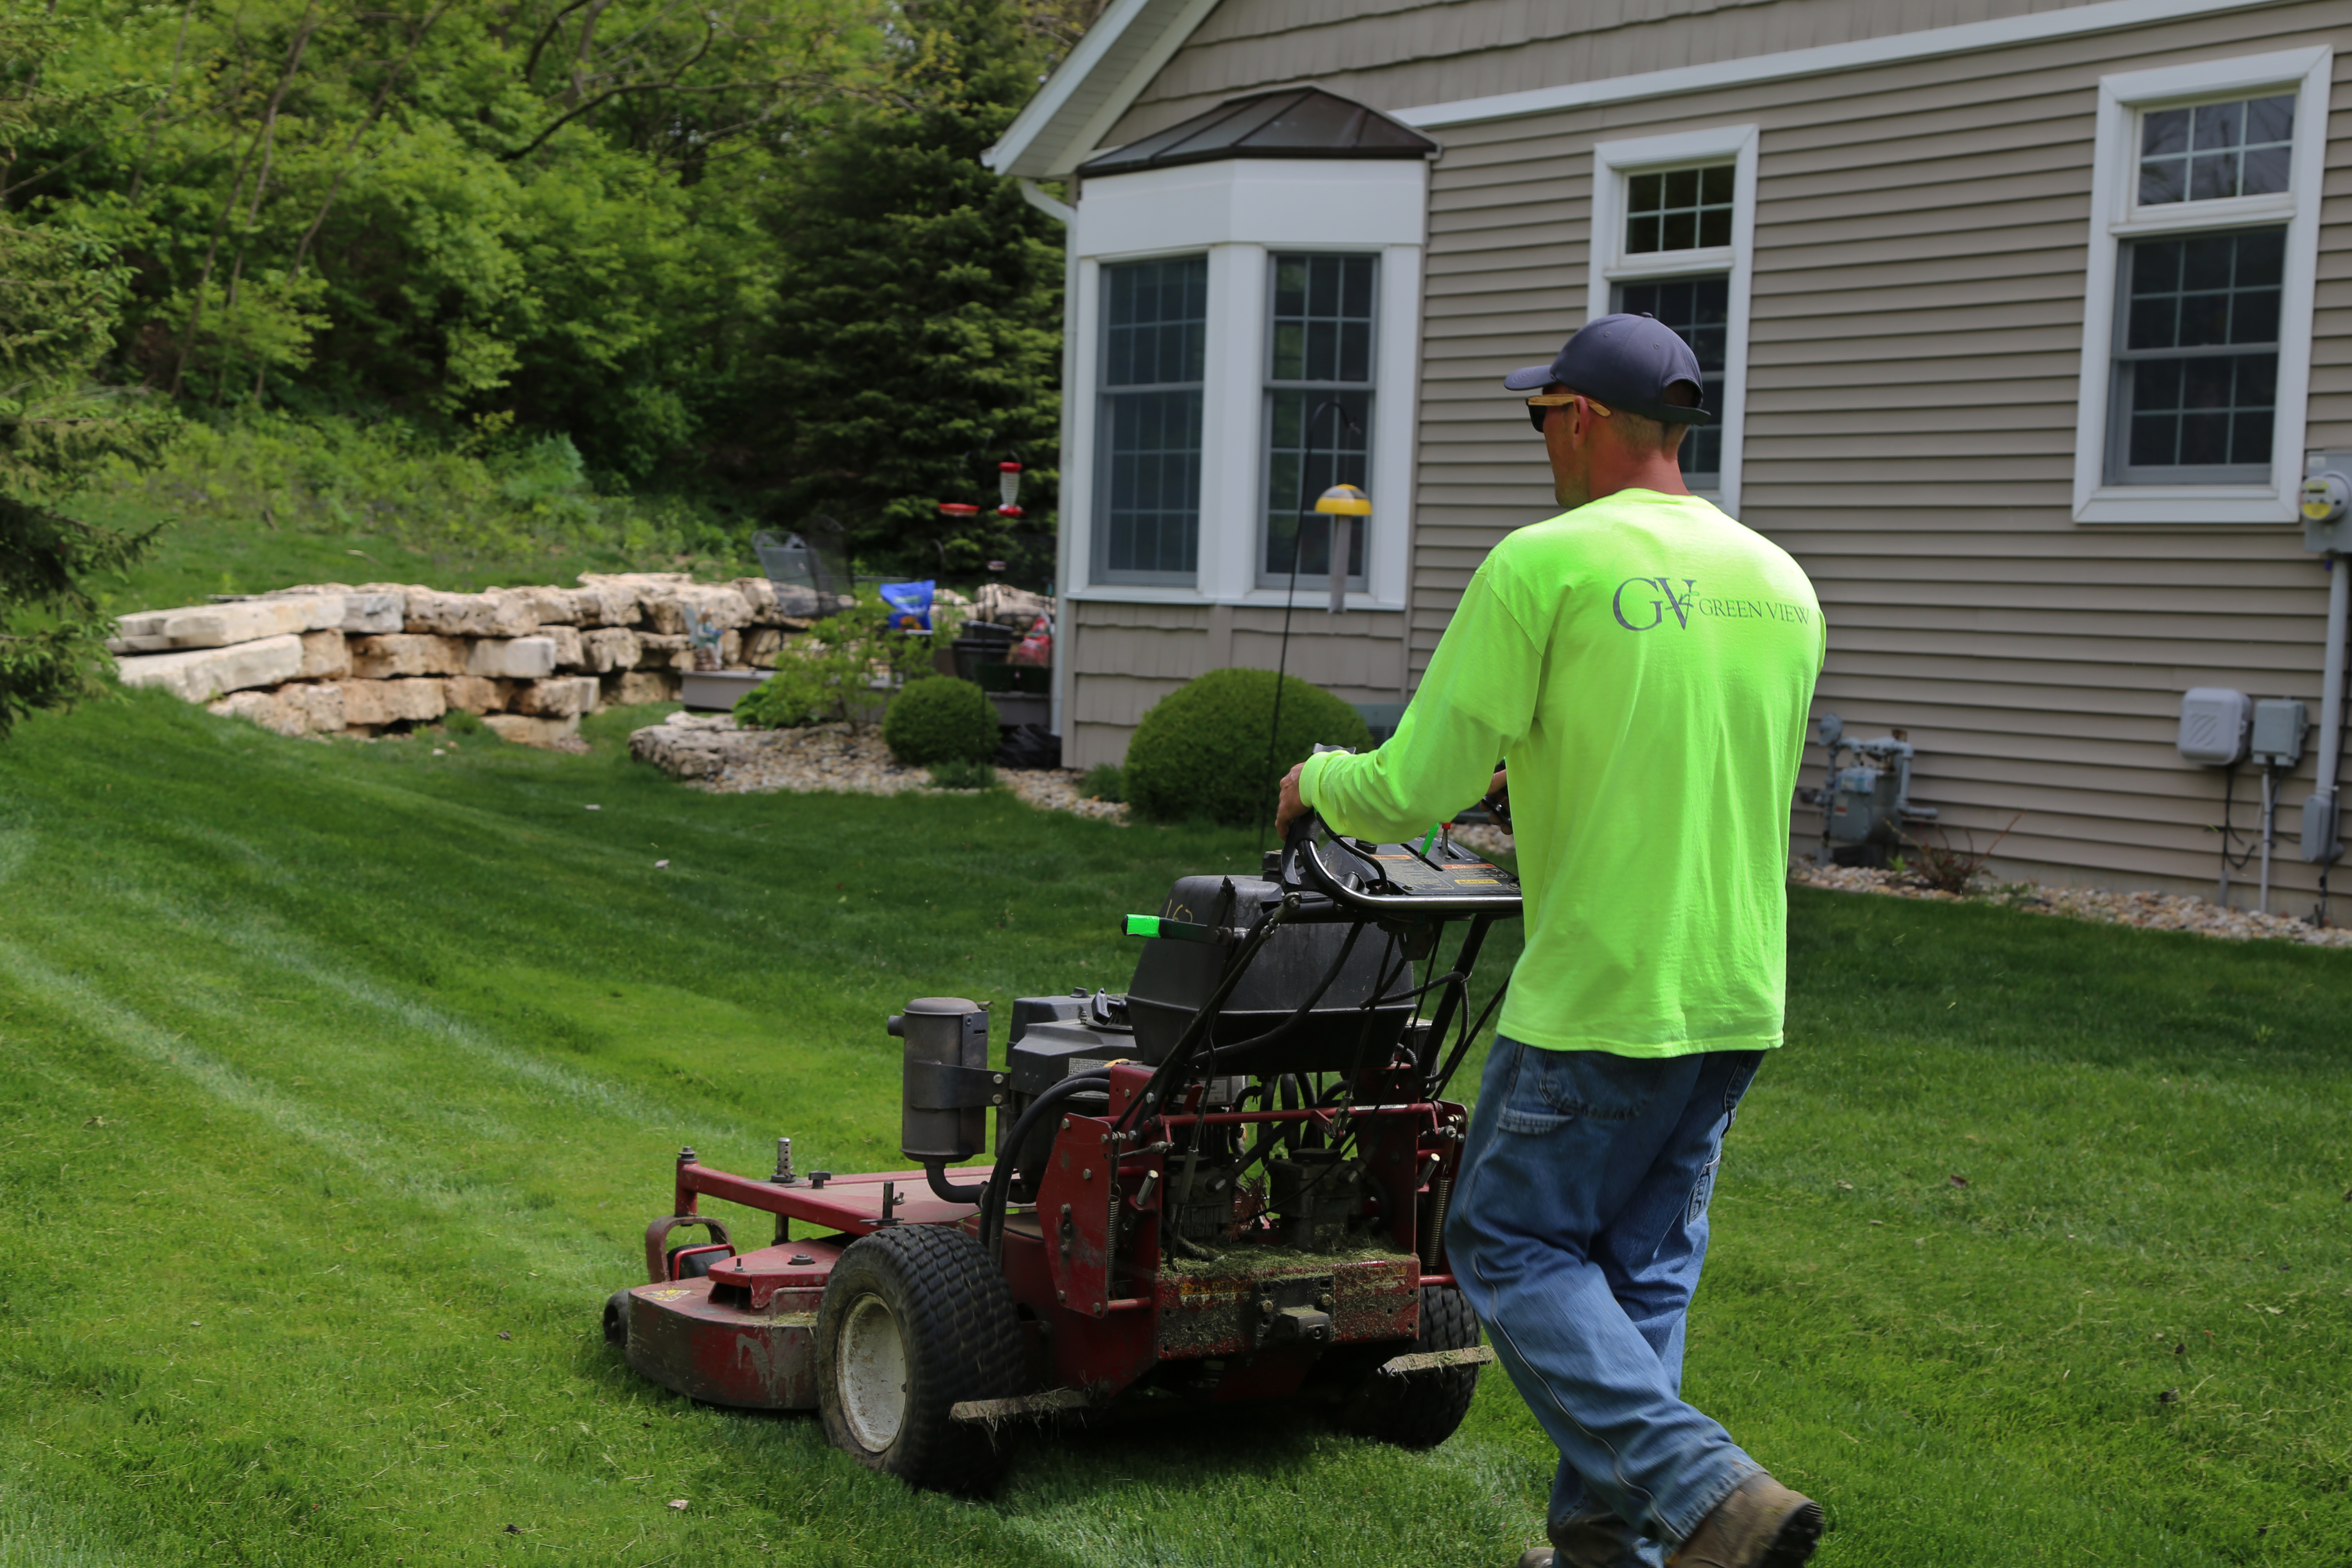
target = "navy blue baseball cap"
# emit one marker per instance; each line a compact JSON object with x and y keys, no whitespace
{"x":1622,"y":361}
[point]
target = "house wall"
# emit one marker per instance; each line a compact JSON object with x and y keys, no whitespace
{"x":1918,"y":309}
{"x":1127,"y":657}
{"x":1394,"y":54}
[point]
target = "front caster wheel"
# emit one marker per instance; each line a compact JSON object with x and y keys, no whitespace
{"x":915,"y":1320}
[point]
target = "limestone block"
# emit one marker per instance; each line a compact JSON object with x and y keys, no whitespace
{"x":491,"y":614}
{"x":223,"y":626}
{"x":478,"y":693}
{"x":724,"y":607}
{"x":760,"y":646}
{"x":685,"y":750}
{"x":664,"y":650}
{"x":326,"y":656}
{"x":517,"y":658}
{"x":552,"y":606}
{"x":600,"y":603}
{"x":373,"y":609}
{"x":570,"y":652}
{"x":730,"y":650}
{"x":318,"y":705}
{"x":529,"y":731}
{"x":260,"y":708}
{"x":374,"y":613}
{"x":199,"y":675}
{"x":373,"y":702}
{"x":558,"y":697}
{"x":608,"y":648}
{"x":628,"y":689}
{"x":398,"y":654}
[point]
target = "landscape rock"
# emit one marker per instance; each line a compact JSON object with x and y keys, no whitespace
{"x":517,"y":658}
{"x":398,"y":654}
{"x":326,"y":656}
{"x":760,"y":646}
{"x":550,"y":606}
{"x":528,"y":731}
{"x":570,"y":652}
{"x":560,"y":697}
{"x":608,"y":648}
{"x":317,"y":706}
{"x":634,"y":688}
{"x":199,"y":675}
{"x":377,"y":702}
{"x":478,"y":693}
{"x":665,"y":650}
{"x":370,"y":610}
{"x":492,"y":615}
{"x":597,"y":603}
{"x":223,"y":626}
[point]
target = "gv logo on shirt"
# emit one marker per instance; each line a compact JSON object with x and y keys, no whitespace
{"x":1657,"y":597}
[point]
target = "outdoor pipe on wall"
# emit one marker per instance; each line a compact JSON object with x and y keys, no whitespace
{"x":2319,"y":813}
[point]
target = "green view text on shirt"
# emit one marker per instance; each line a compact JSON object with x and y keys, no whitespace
{"x":1644,"y":664}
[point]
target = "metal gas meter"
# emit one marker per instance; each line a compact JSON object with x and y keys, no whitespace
{"x":1868,"y":801}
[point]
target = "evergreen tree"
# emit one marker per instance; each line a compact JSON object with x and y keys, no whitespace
{"x":918,"y":337}
{"x":58,"y":294}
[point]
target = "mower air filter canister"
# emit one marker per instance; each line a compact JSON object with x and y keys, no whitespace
{"x":943,"y":1113}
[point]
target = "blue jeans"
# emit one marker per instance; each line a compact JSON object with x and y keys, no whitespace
{"x":1577,"y":1228}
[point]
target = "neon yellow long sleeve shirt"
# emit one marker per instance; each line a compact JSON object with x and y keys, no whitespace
{"x":1642,"y":665}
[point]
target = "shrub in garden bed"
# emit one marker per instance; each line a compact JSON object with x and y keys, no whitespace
{"x":1201,"y":750}
{"x":942,"y":720}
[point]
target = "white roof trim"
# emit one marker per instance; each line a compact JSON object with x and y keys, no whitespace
{"x":1967,"y":38}
{"x":1058,"y":129}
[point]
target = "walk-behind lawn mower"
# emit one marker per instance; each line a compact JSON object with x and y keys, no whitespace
{"x":1228,"y":1183}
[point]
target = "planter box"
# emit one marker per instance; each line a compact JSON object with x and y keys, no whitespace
{"x":716,"y":691}
{"x":1022,"y":707}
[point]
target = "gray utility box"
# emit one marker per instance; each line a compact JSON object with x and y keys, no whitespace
{"x":2276,"y":741}
{"x":2214,"y":720}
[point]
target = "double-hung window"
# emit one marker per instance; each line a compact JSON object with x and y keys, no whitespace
{"x":1672,"y":225}
{"x":1319,"y":411}
{"x":2197,"y":340}
{"x":1155,"y":330}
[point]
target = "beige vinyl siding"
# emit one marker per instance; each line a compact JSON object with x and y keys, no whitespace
{"x":1127,"y":657}
{"x":1397,"y":53}
{"x":1913,"y":352}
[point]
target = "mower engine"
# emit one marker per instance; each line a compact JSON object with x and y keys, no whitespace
{"x":1228,"y":1182}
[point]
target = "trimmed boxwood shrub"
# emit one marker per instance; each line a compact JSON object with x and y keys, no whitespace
{"x":1201,"y":751}
{"x":941,"y":719}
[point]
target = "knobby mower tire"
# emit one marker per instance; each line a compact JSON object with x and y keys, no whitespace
{"x":616,"y":1320}
{"x":961,"y":1339}
{"x":1420,"y":1409}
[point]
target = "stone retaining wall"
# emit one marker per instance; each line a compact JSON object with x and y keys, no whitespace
{"x":329,"y":658}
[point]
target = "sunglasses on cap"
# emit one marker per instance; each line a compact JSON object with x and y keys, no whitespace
{"x":1543,"y":403}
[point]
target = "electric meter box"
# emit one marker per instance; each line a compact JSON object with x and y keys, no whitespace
{"x":2276,"y":739}
{"x":2213,"y":725}
{"x":2324,"y":502}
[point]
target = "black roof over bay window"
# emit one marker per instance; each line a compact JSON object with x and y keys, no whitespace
{"x":1293,"y":122}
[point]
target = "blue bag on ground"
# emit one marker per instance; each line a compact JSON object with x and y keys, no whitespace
{"x":910,"y":605}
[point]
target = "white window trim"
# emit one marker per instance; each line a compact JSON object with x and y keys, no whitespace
{"x":1611,"y":162}
{"x":1239,"y":213}
{"x":2116,"y":217}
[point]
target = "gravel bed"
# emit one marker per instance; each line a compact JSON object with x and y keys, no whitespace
{"x":2149,"y":912}
{"x":709,"y":751}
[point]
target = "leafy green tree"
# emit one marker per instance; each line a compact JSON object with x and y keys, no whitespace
{"x":59,"y":292}
{"x":919,"y":333}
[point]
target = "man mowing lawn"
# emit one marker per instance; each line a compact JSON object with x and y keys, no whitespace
{"x":1643,"y":663}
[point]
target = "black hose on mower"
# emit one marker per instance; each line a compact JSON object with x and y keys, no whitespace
{"x":999,"y":1185}
{"x":935,"y":1172}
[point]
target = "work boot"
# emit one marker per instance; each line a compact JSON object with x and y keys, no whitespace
{"x":1762,"y":1524}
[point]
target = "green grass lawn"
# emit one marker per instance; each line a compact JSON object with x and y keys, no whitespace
{"x":337,"y":1083}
